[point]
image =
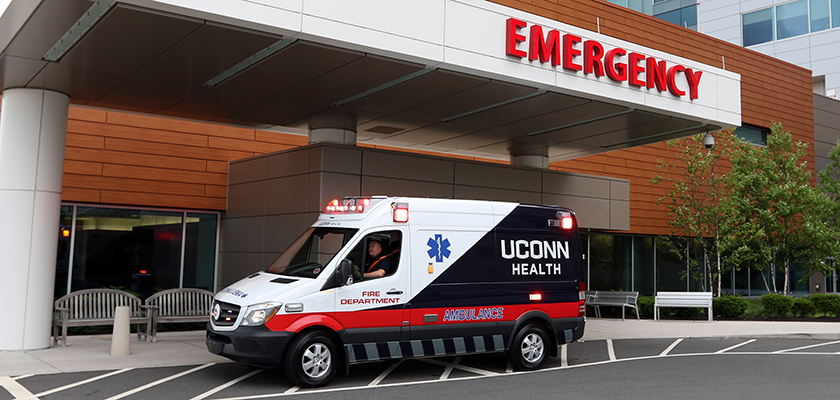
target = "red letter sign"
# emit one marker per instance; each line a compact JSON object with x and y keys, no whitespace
{"x":617,"y":71}
{"x":672,"y":82}
{"x":512,"y":37}
{"x":693,"y":79}
{"x":592,"y":54}
{"x":569,"y":52}
{"x":544,"y":49}
{"x":656,"y":74}
{"x":635,"y":69}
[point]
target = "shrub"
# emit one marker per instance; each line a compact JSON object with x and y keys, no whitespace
{"x":687,"y":312}
{"x":730,"y":306}
{"x":827,"y":303}
{"x":645,"y":304}
{"x":803,"y":307}
{"x":776,"y":304}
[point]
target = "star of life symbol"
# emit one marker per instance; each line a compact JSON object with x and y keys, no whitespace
{"x":438,"y":248}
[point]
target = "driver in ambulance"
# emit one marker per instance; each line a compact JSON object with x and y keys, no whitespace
{"x":378,"y":264}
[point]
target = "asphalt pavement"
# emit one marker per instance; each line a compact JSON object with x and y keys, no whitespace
{"x":92,"y":353}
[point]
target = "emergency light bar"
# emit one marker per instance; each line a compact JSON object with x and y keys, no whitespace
{"x":347,"y":206}
{"x":400,"y":212}
{"x":565,"y":220}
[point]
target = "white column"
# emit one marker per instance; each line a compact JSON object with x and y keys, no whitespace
{"x":332,"y":129}
{"x":33,"y":130}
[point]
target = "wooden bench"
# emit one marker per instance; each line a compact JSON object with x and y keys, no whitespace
{"x":94,"y":307}
{"x":177,"y":305}
{"x":682,"y":299}
{"x":613,"y":299}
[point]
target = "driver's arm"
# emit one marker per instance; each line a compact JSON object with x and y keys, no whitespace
{"x":375,"y":274}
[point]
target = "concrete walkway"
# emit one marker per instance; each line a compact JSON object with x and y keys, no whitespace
{"x":89,"y":353}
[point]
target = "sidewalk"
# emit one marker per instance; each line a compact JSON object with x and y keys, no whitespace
{"x":89,"y":353}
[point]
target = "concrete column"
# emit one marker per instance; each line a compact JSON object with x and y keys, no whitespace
{"x":332,"y":129}
{"x":33,"y":130}
{"x":534,"y":158}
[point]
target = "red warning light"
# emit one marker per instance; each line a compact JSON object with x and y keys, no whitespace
{"x":65,"y":232}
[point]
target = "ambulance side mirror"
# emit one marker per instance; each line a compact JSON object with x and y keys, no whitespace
{"x":345,"y":273}
{"x":343,"y":276}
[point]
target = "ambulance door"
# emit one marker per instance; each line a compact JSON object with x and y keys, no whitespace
{"x":371,"y":309}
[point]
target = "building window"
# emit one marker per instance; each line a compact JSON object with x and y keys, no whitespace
{"x":622,"y":3}
{"x":758,"y":27}
{"x":792,"y":19}
{"x":789,"y":20}
{"x":142,"y":250}
{"x":820,"y":15}
{"x":685,"y":17}
{"x":751,"y":134}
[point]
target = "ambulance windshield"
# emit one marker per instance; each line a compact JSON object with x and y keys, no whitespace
{"x":308,"y":255}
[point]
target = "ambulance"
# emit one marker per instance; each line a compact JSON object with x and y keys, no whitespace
{"x":463,"y":277}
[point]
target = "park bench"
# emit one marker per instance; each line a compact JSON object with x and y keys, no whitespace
{"x":682,"y":299}
{"x":177,"y":305}
{"x":94,"y":307}
{"x":613,"y":299}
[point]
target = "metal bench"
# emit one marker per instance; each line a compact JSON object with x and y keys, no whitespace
{"x":94,"y":307}
{"x":614,"y":299}
{"x":177,"y":305}
{"x":682,"y":299}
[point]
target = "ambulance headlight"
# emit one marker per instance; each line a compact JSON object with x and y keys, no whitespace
{"x":258,"y":314}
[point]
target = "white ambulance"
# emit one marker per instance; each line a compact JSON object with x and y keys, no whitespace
{"x":457,"y":277}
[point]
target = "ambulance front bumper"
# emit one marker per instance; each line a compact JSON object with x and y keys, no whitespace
{"x":257,"y":346}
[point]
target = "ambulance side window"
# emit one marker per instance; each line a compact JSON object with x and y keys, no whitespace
{"x":380,"y":253}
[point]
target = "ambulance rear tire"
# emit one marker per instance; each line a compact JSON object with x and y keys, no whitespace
{"x":529,"y":350}
{"x":312,"y":360}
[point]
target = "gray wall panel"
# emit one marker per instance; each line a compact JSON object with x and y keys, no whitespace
{"x":620,"y":215}
{"x":591,"y":213}
{"x":337,"y":186}
{"x":248,"y":170}
{"x":620,"y":190}
{"x":237,"y":266}
{"x":577,"y":185}
{"x":288,"y":163}
{"x":484,"y":193}
{"x":344,"y":159}
{"x":287,"y":195}
{"x":244,"y":234}
{"x":502,"y":177}
{"x":246,"y":199}
{"x":282,"y":230}
{"x":374,"y":186}
{"x":408,"y":167}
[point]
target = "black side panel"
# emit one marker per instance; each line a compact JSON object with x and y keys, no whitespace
{"x":522,"y":254}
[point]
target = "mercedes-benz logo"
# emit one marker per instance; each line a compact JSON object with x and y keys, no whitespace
{"x":217,"y":312}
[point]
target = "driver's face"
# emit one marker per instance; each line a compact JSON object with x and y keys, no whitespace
{"x":374,"y":248}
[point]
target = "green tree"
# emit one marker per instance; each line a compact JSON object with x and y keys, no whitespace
{"x":697,"y":202}
{"x":780,"y":218}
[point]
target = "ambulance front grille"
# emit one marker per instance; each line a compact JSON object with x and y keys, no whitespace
{"x":227,"y":316}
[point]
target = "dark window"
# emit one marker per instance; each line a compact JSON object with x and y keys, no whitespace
{"x":820,"y":16}
{"x":754,"y":135}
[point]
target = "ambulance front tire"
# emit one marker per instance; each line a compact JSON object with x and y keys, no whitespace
{"x":529,"y":350}
{"x":312,"y":360}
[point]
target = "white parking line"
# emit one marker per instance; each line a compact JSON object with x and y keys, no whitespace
{"x":806,"y":347}
{"x":158,"y":382}
{"x":86,"y":381}
{"x":226,"y":385}
{"x":671,"y":347}
{"x":16,"y":389}
{"x":445,"y":375}
{"x":610,"y":350}
{"x":734,"y":347}
{"x":461,"y":367}
{"x":384,"y":374}
{"x":23,"y":376}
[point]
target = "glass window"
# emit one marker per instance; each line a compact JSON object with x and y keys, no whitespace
{"x":756,"y":136}
{"x":622,"y":3}
{"x":200,"y":251}
{"x":792,"y":19}
{"x":136,"y":249}
{"x":670,"y":267}
{"x":819,"y":15}
{"x":758,"y":27}
{"x":643,"y":270}
{"x":689,"y":17}
{"x":670,"y":16}
{"x":835,"y":13}
{"x":609,"y":262}
{"x":308,"y":255}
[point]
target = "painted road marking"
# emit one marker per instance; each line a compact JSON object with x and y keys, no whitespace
{"x":158,"y":382}
{"x":734,"y":347}
{"x":671,"y":347}
{"x":226,"y":385}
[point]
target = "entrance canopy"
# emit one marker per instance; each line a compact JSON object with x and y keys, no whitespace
{"x":466,"y":77}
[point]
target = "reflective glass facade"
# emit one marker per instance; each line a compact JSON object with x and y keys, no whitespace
{"x":790,"y":20}
{"x":141,"y":250}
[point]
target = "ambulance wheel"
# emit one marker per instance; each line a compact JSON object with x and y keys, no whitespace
{"x":311,"y":360}
{"x":529,"y":350}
